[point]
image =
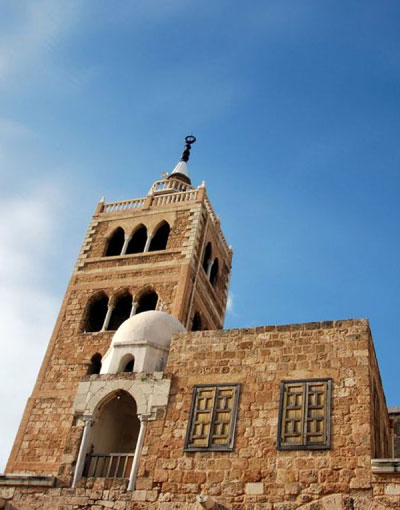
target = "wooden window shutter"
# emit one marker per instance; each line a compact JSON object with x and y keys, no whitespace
{"x":304,"y":415}
{"x":212,"y":419}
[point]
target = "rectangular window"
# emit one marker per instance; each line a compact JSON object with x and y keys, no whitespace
{"x":212,"y":418}
{"x":304,"y":415}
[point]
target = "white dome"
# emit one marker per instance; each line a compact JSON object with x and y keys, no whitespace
{"x":152,"y":326}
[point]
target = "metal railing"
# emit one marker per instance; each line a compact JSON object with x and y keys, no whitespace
{"x":108,"y":465}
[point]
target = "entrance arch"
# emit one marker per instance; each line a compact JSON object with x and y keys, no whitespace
{"x":113,"y":437}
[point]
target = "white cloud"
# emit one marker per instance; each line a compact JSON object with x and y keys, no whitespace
{"x":27,"y":311}
{"x":230,"y":304}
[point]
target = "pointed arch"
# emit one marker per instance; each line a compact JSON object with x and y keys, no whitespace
{"x":122,"y":310}
{"x":160,"y":238}
{"x":127,"y":363}
{"x":147,"y":300}
{"x":138,"y":240}
{"x":96,"y":311}
{"x":115,"y":242}
{"x":207,"y":257}
{"x":113,"y":436}
{"x":214,"y":273}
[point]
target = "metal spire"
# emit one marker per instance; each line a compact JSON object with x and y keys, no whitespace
{"x":186,"y":151}
{"x":181,"y":170}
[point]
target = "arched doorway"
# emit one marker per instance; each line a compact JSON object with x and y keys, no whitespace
{"x":113,"y":438}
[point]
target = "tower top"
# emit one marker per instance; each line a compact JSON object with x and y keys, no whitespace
{"x":181,"y":170}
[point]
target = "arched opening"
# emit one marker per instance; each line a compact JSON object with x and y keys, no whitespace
{"x":196,"y":324}
{"x":121,"y":312}
{"x":127,"y":363}
{"x":115,"y":243}
{"x":138,"y":241}
{"x":95,"y":313}
{"x":160,"y":238}
{"x":95,"y":364}
{"x":147,"y":302}
{"x":214,"y":273}
{"x":207,"y":257}
{"x":113,"y":438}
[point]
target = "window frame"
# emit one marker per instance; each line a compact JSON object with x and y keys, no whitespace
{"x":234,"y":412}
{"x":326,"y":445}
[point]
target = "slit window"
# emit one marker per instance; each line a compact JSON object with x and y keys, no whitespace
{"x":95,"y":364}
{"x":196,"y":325}
{"x":160,"y":238}
{"x":213,"y":416}
{"x":115,"y":243}
{"x":304,"y":416}
{"x":207,"y":257}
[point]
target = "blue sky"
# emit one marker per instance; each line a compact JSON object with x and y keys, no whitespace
{"x":295,"y":104}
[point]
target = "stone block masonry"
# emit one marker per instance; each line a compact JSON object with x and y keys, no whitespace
{"x":255,"y":475}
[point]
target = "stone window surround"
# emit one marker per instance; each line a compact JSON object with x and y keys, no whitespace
{"x":150,"y":392}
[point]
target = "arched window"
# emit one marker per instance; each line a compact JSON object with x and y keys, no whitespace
{"x":160,"y":238}
{"x":207,"y":257}
{"x":95,"y":364}
{"x":147,"y":302}
{"x":95,"y":313}
{"x":121,"y":312}
{"x":196,"y":325}
{"x":116,"y":242}
{"x":126,"y":363}
{"x":138,"y":240}
{"x":113,"y":438}
{"x":214,"y":273}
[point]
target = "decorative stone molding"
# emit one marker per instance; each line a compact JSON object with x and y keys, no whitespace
{"x":149,"y":391}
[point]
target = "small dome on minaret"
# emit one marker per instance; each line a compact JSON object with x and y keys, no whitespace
{"x":181,"y":170}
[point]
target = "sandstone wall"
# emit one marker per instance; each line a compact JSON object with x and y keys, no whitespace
{"x":255,"y":475}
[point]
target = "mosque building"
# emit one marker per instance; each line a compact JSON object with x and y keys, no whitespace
{"x":144,"y":401}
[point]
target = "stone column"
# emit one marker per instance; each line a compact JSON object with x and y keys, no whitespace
{"x":135,"y":304}
{"x":107,"y":317}
{"x":209,"y":266}
{"x":135,"y":465}
{"x":147,"y":245}
{"x":125,"y":246}
{"x":80,"y":463}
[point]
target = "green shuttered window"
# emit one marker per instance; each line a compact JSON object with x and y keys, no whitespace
{"x":304,"y":415}
{"x":212,"y":418}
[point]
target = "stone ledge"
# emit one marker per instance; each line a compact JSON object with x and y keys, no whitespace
{"x":27,"y":480}
{"x":385,"y":466}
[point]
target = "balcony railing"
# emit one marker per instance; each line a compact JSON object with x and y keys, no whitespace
{"x":108,"y":465}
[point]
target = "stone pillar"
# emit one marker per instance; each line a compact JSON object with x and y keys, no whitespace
{"x":135,"y":465}
{"x":209,"y":266}
{"x":80,"y":463}
{"x":135,"y":305}
{"x":125,"y":246}
{"x":148,"y":241}
{"x":107,"y":317}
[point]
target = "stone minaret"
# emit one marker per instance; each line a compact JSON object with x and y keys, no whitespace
{"x":165,"y":251}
